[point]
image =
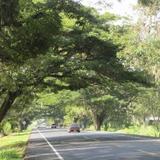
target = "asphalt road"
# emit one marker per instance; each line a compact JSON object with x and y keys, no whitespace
{"x":58,"y":144}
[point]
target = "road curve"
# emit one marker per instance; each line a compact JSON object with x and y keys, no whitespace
{"x":58,"y":144}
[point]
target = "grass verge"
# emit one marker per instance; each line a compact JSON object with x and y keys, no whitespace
{"x":12,"y":147}
{"x":141,"y":130}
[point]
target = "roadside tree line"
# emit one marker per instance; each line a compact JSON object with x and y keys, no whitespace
{"x":52,"y":46}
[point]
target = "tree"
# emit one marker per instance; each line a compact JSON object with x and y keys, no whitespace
{"x":141,"y":49}
{"x":39,"y":51}
{"x":110,"y":101}
{"x":35,"y":55}
{"x":141,"y":53}
{"x":147,"y":109}
{"x":9,"y":12}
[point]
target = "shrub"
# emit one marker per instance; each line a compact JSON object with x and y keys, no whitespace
{"x":6,"y":128}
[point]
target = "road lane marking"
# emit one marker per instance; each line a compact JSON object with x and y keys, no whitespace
{"x":90,"y":138}
{"x":155,"y":154}
{"x":85,"y":148}
{"x":54,"y":150}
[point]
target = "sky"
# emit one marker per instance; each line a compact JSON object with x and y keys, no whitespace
{"x":123,"y":8}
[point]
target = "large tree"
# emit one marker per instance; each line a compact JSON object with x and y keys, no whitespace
{"x":110,"y":102}
{"x":38,"y":49}
{"x":54,"y":45}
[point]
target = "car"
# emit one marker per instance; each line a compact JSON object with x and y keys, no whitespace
{"x":53,"y":125}
{"x":74,"y":128}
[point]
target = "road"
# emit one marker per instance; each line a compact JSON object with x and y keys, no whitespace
{"x":58,"y":144}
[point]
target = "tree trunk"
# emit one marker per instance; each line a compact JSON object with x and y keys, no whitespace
{"x":98,"y":122}
{"x":98,"y":126}
{"x":6,"y":105}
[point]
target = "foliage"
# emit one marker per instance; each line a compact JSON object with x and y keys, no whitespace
{"x":141,"y":53}
{"x":43,"y":52}
{"x":9,"y":12}
{"x":109,"y":103}
{"x":147,"y":108}
{"x":152,"y":4}
{"x":51,"y":49}
{"x":73,"y":113}
{"x":6,"y":128}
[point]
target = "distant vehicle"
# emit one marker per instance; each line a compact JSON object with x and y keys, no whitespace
{"x":74,"y":128}
{"x":53,"y":125}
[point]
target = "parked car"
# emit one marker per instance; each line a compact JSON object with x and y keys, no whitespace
{"x":74,"y":128}
{"x":53,"y":125}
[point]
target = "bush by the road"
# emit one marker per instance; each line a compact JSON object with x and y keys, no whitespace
{"x":12,"y":147}
{"x":7,"y":128}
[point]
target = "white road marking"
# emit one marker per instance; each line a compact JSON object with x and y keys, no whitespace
{"x":54,"y":150}
{"x":90,"y":138}
{"x":150,"y":153}
{"x":84,"y":148}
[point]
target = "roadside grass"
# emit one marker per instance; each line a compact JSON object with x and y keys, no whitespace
{"x":12,"y":147}
{"x":141,"y":130}
{"x":135,"y":129}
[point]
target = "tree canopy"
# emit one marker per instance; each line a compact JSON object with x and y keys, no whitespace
{"x":52,"y":46}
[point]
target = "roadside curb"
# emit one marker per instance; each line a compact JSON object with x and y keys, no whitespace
{"x":27,"y":143}
{"x":142,"y":136}
{"x":128,"y":134}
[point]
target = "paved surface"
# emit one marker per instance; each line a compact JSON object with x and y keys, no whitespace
{"x":57,"y":144}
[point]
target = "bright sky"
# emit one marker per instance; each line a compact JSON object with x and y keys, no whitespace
{"x":123,"y":8}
